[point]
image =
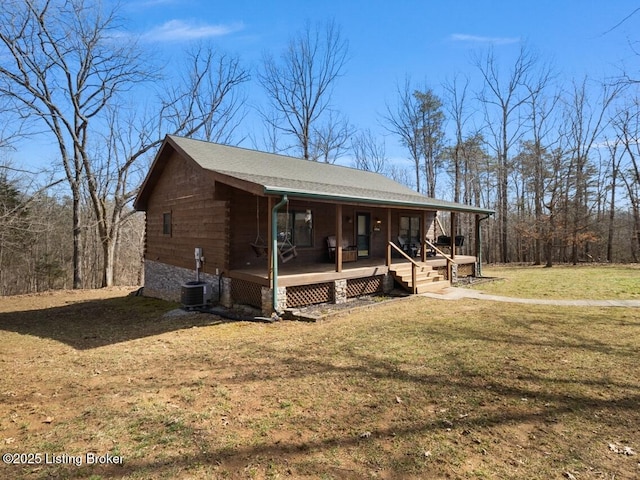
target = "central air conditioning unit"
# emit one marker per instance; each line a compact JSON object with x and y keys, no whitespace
{"x":196,"y":294}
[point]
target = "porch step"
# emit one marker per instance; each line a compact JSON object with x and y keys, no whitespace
{"x":427,"y":279}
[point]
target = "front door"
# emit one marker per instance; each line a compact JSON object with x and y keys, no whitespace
{"x":363,"y":234}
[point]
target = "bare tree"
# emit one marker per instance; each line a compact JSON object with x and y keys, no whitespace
{"x":269,"y":139}
{"x":63,"y":66}
{"x":330,"y":140}
{"x":615,"y":155}
{"x":12,"y":124}
{"x":586,"y":120}
{"x":67,"y":70}
{"x":205,"y":103}
{"x":369,"y":153}
{"x":403,"y":120}
{"x":206,"y":99}
{"x":22,"y":224}
{"x":418,"y":121}
{"x":400,"y":174}
{"x":14,"y":225}
{"x":554,"y":193}
{"x":627,"y":126}
{"x":502,"y":98}
{"x":299,"y":85}
{"x":457,"y":107}
{"x":542,"y":109}
{"x":431,"y":135}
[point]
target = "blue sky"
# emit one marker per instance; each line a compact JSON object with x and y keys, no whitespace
{"x":430,"y":41}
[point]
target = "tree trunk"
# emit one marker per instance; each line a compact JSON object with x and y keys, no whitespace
{"x":77,"y":238}
{"x":538,"y":195}
{"x":549,"y":241}
{"x":110,"y":236}
{"x":612,"y":214}
{"x":108,"y":265}
{"x":504,"y":189}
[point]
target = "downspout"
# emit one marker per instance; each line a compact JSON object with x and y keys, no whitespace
{"x":274,"y":250}
{"x":479,"y":266}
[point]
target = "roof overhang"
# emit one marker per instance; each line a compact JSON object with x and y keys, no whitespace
{"x":261,"y":185}
{"x":337,"y":198}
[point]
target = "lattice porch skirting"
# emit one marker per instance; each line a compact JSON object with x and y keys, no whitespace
{"x":301,"y":295}
{"x":248,"y":293}
{"x":357,"y":287}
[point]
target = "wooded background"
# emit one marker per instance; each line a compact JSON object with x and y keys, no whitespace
{"x":557,"y":158}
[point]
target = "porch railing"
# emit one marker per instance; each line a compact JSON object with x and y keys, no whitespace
{"x":450,"y":261}
{"x":414,"y":265}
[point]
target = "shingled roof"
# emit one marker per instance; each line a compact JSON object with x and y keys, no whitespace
{"x":273,"y":174}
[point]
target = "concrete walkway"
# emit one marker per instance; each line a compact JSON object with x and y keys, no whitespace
{"x":456,"y":293}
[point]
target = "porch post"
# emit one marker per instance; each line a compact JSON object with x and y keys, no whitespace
{"x":452,"y":237}
{"x":274,"y":237}
{"x":270,"y":242}
{"x":478,"y":248}
{"x":423,"y":236}
{"x":388,"y":249}
{"x":338,"y":238}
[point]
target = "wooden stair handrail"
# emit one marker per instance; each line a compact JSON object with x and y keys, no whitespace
{"x":404,"y":254}
{"x":414,"y":264}
{"x":450,"y":261}
{"x":447,"y":257}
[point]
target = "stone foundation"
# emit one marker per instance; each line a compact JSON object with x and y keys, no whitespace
{"x":225,"y":298}
{"x":387,"y":283}
{"x":459,"y":271}
{"x":165,"y":281}
{"x":267,"y":301}
{"x":340,"y":291}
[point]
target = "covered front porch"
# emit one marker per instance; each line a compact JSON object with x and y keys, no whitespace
{"x":303,"y":249}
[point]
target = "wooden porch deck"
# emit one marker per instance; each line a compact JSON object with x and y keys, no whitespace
{"x":292,"y":273}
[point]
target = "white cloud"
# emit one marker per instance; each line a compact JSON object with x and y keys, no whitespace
{"x":176,"y":30}
{"x":463,"y":37}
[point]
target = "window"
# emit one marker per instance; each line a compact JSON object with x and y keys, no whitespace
{"x":166,"y":223}
{"x":410,"y":229}
{"x":297,"y":228}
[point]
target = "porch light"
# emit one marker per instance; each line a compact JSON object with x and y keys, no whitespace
{"x":378,"y":225}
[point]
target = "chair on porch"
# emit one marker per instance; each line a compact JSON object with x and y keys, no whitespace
{"x":410,"y":249}
{"x":286,"y":250}
{"x":444,"y":241}
{"x":349,"y":252}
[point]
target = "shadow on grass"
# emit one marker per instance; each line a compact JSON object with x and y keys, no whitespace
{"x":489,"y":398}
{"x":97,"y":323}
{"x":549,"y":408}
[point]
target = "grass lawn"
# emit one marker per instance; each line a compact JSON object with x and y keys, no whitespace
{"x":410,"y":389}
{"x":601,"y":282}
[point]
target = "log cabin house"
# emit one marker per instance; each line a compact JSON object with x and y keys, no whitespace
{"x":268,"y":227}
